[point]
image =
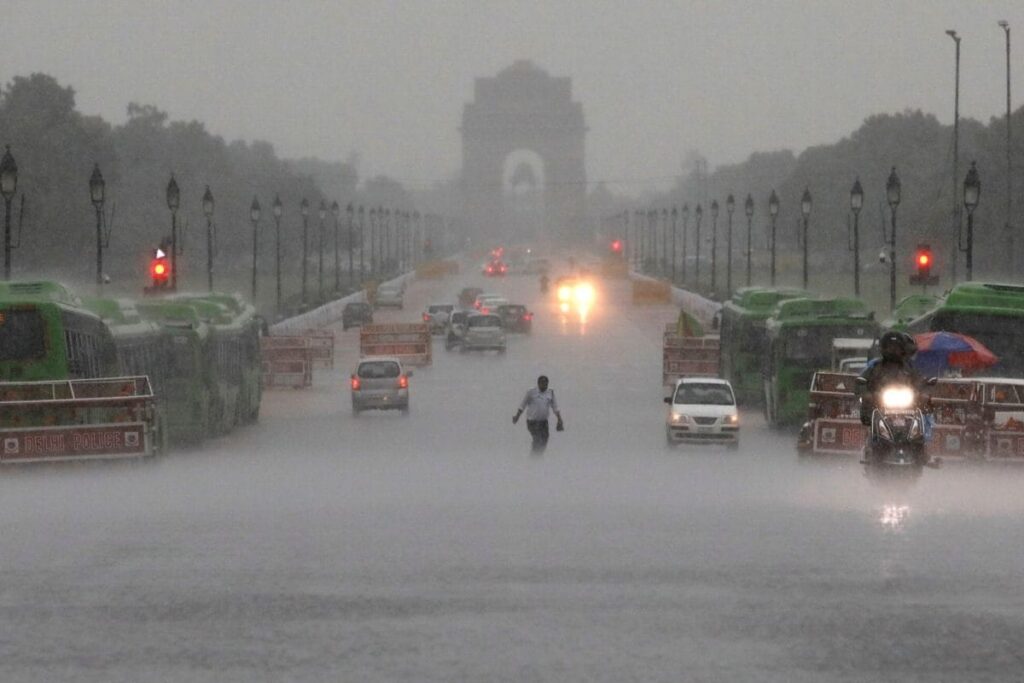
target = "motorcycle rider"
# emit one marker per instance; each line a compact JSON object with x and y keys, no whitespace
{"x":895,"y":349}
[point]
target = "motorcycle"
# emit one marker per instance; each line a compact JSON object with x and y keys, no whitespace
{"x":896,"y":442}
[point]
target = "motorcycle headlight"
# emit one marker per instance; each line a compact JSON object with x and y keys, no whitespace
{"x":897,"y":398}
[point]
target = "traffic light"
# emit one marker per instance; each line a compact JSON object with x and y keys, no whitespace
{"x":923,"y":261}
{"x":159,"y":270}
{"x":616,"y":246}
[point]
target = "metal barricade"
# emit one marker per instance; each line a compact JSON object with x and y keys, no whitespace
{"x":409,"y":342}
{"x":287,"y":362}
{"x":321,"y":342}
{"x":688,"y":356}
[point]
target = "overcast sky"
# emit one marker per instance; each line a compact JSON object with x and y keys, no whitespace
{"x":388,"y":79}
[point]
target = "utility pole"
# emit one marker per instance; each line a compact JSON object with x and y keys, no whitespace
{"x":1011,"y":256}
{"x":956,"y":157}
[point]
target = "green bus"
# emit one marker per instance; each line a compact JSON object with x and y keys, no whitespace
{"x":47,"y":334}
{"x":743,"y":337}
{"x":909,"y":309}
{"x":190,"y":381}
{"x":800,"y":334}
{"x":992,"y":313}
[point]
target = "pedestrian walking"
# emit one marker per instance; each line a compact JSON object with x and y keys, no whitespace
{"x":538,"y":403}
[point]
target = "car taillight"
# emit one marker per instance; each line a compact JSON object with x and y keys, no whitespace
{"x":528,"y":316}
{"x":485,"y":311}
{"x":403,"y":382}
{"x":356,"y":383}
{"x":426,"y":317}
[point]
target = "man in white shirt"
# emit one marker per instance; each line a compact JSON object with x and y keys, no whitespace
{"x":538,"y":403}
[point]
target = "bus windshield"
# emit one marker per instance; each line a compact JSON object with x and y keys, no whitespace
{"x":812,"y":346}
{"x":22,"y":335}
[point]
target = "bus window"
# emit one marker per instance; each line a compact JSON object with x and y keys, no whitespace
{"x":22,"y":335}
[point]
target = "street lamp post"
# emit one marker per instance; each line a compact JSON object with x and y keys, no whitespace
{"x":8,"y":187}
{"x":278,"y":207}
{"x":805,"y":209}
{"x":856,"y":204}
{"x":686,"y":223}
{"x":350,"y":216}
{"x":1011,"y":260}
{"x":322,"y":214}
{"x":675,"y":218}
{"x":956,"y":151}
{"x":730,"y":206}
{"x":373,"y":243}
{"x":254,"y":216}
{"x":893,"y":192}
{"x":698,"y":214}
{"x":362,"y":242}
{"x":336,"y":213}
{"x":972,"y":193}
{"x":304,"y":210}
{"x":664,"y":242}
{"x":208,"y":212}
{"x":173,"y":202}
{"x":748,"y":208}
{"x":714,"y":245}
{"x":97,"y":193}
{"x":773,"y":212}
{"x":639,"y":231}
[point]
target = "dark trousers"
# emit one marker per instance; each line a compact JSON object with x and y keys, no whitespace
{"x":539,"y":432}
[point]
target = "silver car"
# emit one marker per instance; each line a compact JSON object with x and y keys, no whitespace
{"x":382,"y":383}
{"x":388,"y":295}
{"x":484,"y":332}
{"x":436,"y":317}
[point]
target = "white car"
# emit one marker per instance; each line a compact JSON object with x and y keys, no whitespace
{"x":481,"y":298}
{"x":436,"y":316}
{"x":490,"y":304}
{"x":483,"y":332}
{"x":381,"y":383}
{"x":388,"y":295}
{"x":703,"y":410}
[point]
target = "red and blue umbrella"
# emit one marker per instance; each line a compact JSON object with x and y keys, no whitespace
{"x":938,"y":352}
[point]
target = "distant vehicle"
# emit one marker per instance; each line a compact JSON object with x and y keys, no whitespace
{"x":495,"y":268}
{"x":468,"y":296}
{"x":483,"y":331}
{"x":492,"y":304}
{"x":381,"y":383}
{"x":515,"y":318}
{"x":702,"y":410}
{"x":355,"y":314}
{"x":482,"y":298}
{"x":851,"y":355}
{"x":389,"y":295}
{"x":455,"y":330}
{"x":436,"y":317}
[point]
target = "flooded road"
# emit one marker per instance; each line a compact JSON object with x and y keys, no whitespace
{"x":319,"y":546}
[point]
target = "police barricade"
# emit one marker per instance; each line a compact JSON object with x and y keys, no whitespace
{"x":287,"y":362}
{"x":84,"y":419}
{"x":683,"y":356}
{"x":321,"y":343}
{"x":433,"y":270}
{"x":1003,"y":409}
{"x":833,"y":425}
{"x":651,"y":292}
{"x":409,"y":342}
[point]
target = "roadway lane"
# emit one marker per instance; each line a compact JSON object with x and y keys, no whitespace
{"x":319,"y":546}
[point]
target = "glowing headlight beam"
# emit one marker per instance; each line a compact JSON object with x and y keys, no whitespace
{"x":898,"y":398}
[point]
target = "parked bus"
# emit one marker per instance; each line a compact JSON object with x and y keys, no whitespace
{"x":991,"y":313}
{"x":800,"y":334}
{"x":743,"y":338}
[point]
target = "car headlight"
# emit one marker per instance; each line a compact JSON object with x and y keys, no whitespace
{"x":678,"y":419}
{"x":564,"y":293}
{"x":584,"y":293}
{"x":897,"y":398}
{"x":732,"y":419}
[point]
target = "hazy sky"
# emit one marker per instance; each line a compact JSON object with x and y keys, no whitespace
{"x":388,"y":79}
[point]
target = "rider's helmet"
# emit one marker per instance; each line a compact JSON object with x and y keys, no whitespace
{"x":892,"y":346}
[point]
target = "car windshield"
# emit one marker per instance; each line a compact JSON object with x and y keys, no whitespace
{"x":485,"y":321}
{"x":444,"y":308}
{"x":379,"y":369}
{"x":704,"y":394}
{"x":21,"y":335}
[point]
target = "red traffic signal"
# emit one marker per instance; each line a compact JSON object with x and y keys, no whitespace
{"x":617,"y":246}
{"x":160,"y":270}
{"x":923,"y":261}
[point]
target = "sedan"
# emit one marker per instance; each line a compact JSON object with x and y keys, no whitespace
{"x":381,"y":383}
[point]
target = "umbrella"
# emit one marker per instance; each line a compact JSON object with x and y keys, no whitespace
{"x":937,"y":352}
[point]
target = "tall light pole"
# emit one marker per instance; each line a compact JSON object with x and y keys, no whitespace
{"x":686,"y":223}
{"x":1011,"y":259}
{"x":652,"y":239}
{"x":748,"y":208}
{"x":730,"y":206}
{"x":322,"y":214}
{"x":208,"y":212}
{"x":856,"y":204}
{"x":805,"y":209}
{"x":278,"y":209}
{"x":304,"y":210}
{"x":387,"y":240}
{"x":639,"y":230}
{"x":972,"y":193}
{"x":893,"y":191}
{"x":714,"y":245}
{"x":773,"y":212}
{"x":675,"y":218}
{"x":956,"y":153}
{"x":8,"y":187}
{"x":362,"y":242}
{"x":350,"y":213}
{"x":97,"y":193}
{"x":664,"y":242}
{"x":173,"y":202}
{"x":336,"y":212}
{"x":254,"y":216}
{"x":373,"y":243}
{"x":698,"y":214}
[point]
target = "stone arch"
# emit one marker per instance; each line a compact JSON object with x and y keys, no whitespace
{"x":524,"y":111}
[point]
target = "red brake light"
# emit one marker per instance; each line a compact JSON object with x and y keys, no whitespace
{"x":485,"y":311}
{"x":355,"y":383}
{"x":527,"y":316}
{"x":403,"y":382}
{"x":426,"y":317}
